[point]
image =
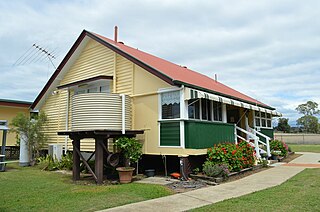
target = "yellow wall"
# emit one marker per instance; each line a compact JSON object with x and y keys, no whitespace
{"x":124,"y":76}
{"x":55,"y":109}
{"x":8,"y":113}
{"x":94,"y":60}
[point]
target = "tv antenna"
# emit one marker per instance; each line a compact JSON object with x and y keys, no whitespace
{"x":34,"y":54}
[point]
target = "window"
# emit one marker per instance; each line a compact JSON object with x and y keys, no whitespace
{"x":94,"y":87}
{"x":206,"y":109}
{"x":263,"y":119}
{"x":217,"y":111}
{"x":170,"y":105}
{"x":258,"y":122}
{"x":194,"y":109}
{"x":210,"y":110}
{"x":104,"y":89}
{"x":93,"y":90}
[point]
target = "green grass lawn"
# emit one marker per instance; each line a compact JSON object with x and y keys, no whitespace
{"x":300,"y":193}
{"x":30,"y":189}
{"x":305,"y":148}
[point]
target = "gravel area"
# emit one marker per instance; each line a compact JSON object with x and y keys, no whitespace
{"x":183,"y":186}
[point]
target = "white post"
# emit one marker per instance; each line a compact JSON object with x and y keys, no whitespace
{"x":268,"y":147}
{"x":24,"y":151}
{"x":224,"y":112}
{"x":256,"y":145}
{"x":235,"y":134}
{"x":183,"y":116}
{"x":247,"y":126}
{"x":67,"y":122}
{"x":123,"y":98}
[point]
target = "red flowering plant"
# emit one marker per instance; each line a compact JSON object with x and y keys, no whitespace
{"x":276,"y":145}
{"x":236,"y":156}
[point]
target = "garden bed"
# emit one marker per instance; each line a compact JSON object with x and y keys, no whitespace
{"x":218,"y":180}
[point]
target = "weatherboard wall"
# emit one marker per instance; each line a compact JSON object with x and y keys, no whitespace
{"x":94,"y":60}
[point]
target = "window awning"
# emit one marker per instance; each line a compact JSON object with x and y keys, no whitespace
{"x":195,"y":94}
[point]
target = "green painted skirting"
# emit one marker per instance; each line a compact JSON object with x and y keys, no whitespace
{"x":201,"y":135}
{"x":170,"y":133}
{"x":267,"y":132}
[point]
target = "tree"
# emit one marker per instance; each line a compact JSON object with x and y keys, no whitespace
{"x":309,"y":121}
{"x":309,"y":108}
{"x":283,"y":125}
{"x":33,"y":131}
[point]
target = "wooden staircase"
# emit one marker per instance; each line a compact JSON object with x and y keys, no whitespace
{"x":253,"y":135}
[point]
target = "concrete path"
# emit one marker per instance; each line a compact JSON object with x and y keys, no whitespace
{"x":205,"y":196}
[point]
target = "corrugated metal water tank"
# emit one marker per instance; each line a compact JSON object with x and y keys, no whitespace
{"x":99,"y":111}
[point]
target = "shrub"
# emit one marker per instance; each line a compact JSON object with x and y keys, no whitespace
{"x":50,"y":164}
{"x":236,"y":156}
{"x":30,"y":131}
{"x":131,"y":149}
{"x":277,"y":145}
{"x":215,"y":170}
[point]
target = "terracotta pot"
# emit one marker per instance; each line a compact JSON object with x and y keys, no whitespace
{"x":125,"y":174}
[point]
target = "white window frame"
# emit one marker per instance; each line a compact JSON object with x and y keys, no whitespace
{"x":181,"y":119}
{"x":212,"y":112}
{"x":262,"y":118}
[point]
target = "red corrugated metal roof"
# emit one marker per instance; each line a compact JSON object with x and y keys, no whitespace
{"x":181,"y":74}
{"x":167,"y":71}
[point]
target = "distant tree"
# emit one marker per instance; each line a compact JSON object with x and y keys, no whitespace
{"x":309,"y":121}
{"x":283,"y":125}
{"x":309,"y":108}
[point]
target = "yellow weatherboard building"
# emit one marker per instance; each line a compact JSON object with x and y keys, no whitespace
{"x":103,"y":84}
{"x":8,"y":110}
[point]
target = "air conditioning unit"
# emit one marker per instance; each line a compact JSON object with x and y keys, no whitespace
{"x":55,"y":151}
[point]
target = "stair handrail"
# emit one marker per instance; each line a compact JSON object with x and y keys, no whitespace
{"x":268,"y":139}
{"x":256,"y":140}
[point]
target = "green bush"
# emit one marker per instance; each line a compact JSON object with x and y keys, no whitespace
{"x":131,"y":149}
{"x":215,"y":170}
{"x":236,"y":156}
{"x":276,"y":145}
{"x":50,"y":164}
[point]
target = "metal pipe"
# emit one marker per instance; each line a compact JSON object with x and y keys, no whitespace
{"x":67,"y":123}
{"x":116,"y":34}
{"x":123,"y":103}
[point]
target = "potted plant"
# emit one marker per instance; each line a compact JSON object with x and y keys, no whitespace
{"x":131,"y":148}
{"x":275,"y":154}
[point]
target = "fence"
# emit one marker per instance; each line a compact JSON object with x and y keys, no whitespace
{"x":12,"y":152}
{"x":298,"y":138}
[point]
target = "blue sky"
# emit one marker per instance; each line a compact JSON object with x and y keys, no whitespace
{"x":266,"y":49}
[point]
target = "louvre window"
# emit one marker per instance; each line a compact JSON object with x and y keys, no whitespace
{"x":170,"y":105}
